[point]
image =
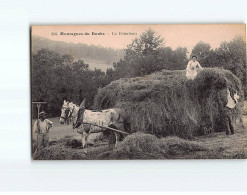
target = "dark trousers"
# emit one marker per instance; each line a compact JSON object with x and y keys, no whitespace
{"x":227,"y":121}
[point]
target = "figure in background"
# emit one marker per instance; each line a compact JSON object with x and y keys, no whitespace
{"x":42,"y":127}
{"x":232,"y":100}
{"x":192,"y":67}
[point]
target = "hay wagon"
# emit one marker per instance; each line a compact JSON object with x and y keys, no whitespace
{"x":167,"y":103}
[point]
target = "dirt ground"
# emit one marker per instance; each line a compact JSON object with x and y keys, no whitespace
{"x":220,"y":146}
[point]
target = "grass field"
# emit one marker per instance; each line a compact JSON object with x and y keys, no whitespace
{"x":215,"y":146}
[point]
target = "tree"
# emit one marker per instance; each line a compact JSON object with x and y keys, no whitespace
{"x":173,"y":59}
{"x":80,"y":66}
{"x":57,"y":77}
{"x":230,"y":56}
{"x":148,"y":54}
{"x":141,"y":55}
{"x":202,"y":51}
{"x":48,"y":72}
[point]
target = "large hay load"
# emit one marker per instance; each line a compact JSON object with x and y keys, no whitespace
{"x":167,"y":103}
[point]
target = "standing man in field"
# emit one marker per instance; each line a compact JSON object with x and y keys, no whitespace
{"x":232,"y":100}
{"x":41,"y":127}
{"x":192,"y":68}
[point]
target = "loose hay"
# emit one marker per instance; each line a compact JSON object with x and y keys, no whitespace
{"x":146,"y":146}
{"x":60,"y":150}
{"x":139,"y":146}
{"x":167,"y":103}
{"x":176,"y":146}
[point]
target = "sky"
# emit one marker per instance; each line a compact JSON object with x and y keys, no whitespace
{"x":175,"y":35}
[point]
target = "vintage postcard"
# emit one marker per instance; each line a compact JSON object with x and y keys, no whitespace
{"x":120,"y":92}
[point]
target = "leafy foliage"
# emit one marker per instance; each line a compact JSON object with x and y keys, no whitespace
{"x":202,"y":51}
{"x":230,"y":56}
{"x":56,"y":77}
{"x":147,"y":54}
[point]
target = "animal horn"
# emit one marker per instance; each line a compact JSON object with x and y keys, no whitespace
{"x":83,"y":104}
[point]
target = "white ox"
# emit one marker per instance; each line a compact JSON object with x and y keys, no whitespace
{"x":85,"y":120}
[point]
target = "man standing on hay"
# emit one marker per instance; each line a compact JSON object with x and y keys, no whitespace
{"x":192,"y":68}
{"x":41,"y":127}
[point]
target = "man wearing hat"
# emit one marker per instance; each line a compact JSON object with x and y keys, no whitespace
{"x":192,"y":67}
{"x":41,"y":127}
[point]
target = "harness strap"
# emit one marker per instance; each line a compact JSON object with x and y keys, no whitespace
{"x":69,"y":118}
{"x":110,"y":128}
{"x":70,"y":113}
{"x":78,"y":123}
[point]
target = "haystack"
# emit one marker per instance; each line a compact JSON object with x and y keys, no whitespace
{"x":167,"y":103}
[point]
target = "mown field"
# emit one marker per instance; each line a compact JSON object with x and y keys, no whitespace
{"x":144,"y":146}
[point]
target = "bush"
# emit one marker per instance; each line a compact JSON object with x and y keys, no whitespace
{"x":167,"y":103}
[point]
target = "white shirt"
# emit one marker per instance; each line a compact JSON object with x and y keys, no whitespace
{"x":191,"y":70}
{"x":44,"y":125}
{"x":230,"y":102}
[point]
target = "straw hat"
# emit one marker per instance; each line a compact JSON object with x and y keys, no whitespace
{"x":43,"y":113}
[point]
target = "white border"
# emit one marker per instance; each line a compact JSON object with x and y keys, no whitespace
{"x":19,"y":173}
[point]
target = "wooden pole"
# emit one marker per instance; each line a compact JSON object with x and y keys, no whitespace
{"x":110,"y":128}
{"x":38,"y":106}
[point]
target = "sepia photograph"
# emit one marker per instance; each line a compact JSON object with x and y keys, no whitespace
{"x":129,"y":92}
